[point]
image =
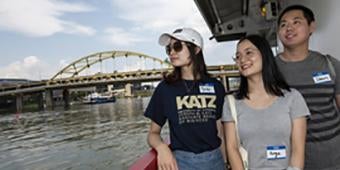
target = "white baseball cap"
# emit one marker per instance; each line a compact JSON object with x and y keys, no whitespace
{"x":183,"y":34}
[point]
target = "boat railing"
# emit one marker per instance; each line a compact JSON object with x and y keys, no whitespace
{"x":148,"y":161}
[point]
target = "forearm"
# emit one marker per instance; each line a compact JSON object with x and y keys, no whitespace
{"x":155,"y":141}
{"x":297,"y":158}
{"x":233,"y":153}
{"x":165,"y":158}
{"x":222,"y":137}
{"x":235,"y":160}
{"x":337,"y":99}
{"x":298,"y":143}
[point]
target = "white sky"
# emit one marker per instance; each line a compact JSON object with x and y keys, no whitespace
{"x":40,"y":37}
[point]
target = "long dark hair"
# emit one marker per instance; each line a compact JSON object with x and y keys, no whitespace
{"x":199,"y":68}
{"x":273,"y":80}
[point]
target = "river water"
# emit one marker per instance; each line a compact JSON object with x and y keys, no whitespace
{"x":102,"y":136}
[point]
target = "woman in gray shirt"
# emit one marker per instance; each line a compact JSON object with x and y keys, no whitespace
{"x":271,"y":116}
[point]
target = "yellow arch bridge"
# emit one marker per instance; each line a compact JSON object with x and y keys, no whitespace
{"x":105,"y":68}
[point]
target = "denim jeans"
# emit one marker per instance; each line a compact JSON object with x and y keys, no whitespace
{"x":203,"y":161}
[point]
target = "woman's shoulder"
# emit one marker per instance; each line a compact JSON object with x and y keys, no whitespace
{"x":164,"y":88}
{"x":218,"y":84}
{"x":162,"y":85}
{"x":292,"y":92}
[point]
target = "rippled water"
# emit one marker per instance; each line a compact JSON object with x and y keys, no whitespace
{"x":102,"y":136}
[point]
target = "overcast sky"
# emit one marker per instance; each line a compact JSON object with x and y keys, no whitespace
{"x":40,"y":37}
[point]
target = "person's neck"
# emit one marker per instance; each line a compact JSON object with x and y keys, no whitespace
{"x":255,"y":85}
{"x":258,"y":96}
{"x":187,"y":73}
{"x":295,"y":53}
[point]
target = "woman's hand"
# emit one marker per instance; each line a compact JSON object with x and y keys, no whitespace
{"x":165,"y":158}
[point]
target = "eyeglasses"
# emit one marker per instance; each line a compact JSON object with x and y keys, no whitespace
{"x":249,"y":53}
{"x":176,"y":46}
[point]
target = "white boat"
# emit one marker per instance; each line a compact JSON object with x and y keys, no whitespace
{"x":95,"y":98}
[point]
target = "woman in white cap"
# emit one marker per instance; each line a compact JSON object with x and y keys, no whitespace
{"x":191,"y":101}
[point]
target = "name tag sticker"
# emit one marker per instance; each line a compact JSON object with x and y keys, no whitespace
{"x":321,"y":77}
{"x":207,"y":88}
{"x":276,"y":152}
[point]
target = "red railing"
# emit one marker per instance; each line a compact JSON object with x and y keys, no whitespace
{"x":147,"y":161}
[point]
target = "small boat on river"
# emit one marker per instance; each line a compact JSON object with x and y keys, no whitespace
{"x":95,"y":98}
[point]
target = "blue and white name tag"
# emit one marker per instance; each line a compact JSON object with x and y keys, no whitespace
{"x":207,"y":88}
{"x":321,"y":77}
{"x":276,"y":152}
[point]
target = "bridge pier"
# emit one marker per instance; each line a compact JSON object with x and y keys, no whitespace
{"x":128,"y":90}
{"x":109,"y":88}
{"x":66,"y":98}
{"x":49,"y":99}
{"x":40,"y":100}
{"x":19,"y":102}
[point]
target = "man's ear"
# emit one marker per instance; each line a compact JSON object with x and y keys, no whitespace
{"x":197,"y":50}
{"x":312,"y":27}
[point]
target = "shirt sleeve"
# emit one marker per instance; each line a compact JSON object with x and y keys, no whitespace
{"x":336,"y":64}
{"x":298,"y":106}
{"x":154,"y":110}
{"x":220,"y":93}
{"x":226,"y":114}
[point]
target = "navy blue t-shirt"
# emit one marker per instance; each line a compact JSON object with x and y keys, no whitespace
{"x":192,"y":109}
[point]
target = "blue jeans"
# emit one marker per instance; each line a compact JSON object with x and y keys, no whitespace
{"x":203,"y":161}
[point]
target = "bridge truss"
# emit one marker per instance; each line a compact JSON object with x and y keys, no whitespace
{"x":75,"y":72}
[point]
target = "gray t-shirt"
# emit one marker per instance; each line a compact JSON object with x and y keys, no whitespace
{"x":310,"y":78}
{"x":261,"y":130}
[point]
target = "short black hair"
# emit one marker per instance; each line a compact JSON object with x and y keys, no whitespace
{"x":273,"y":80}
{"x":307,"y":13}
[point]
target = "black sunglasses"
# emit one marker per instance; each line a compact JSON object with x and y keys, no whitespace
{"x":176,"y":46}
